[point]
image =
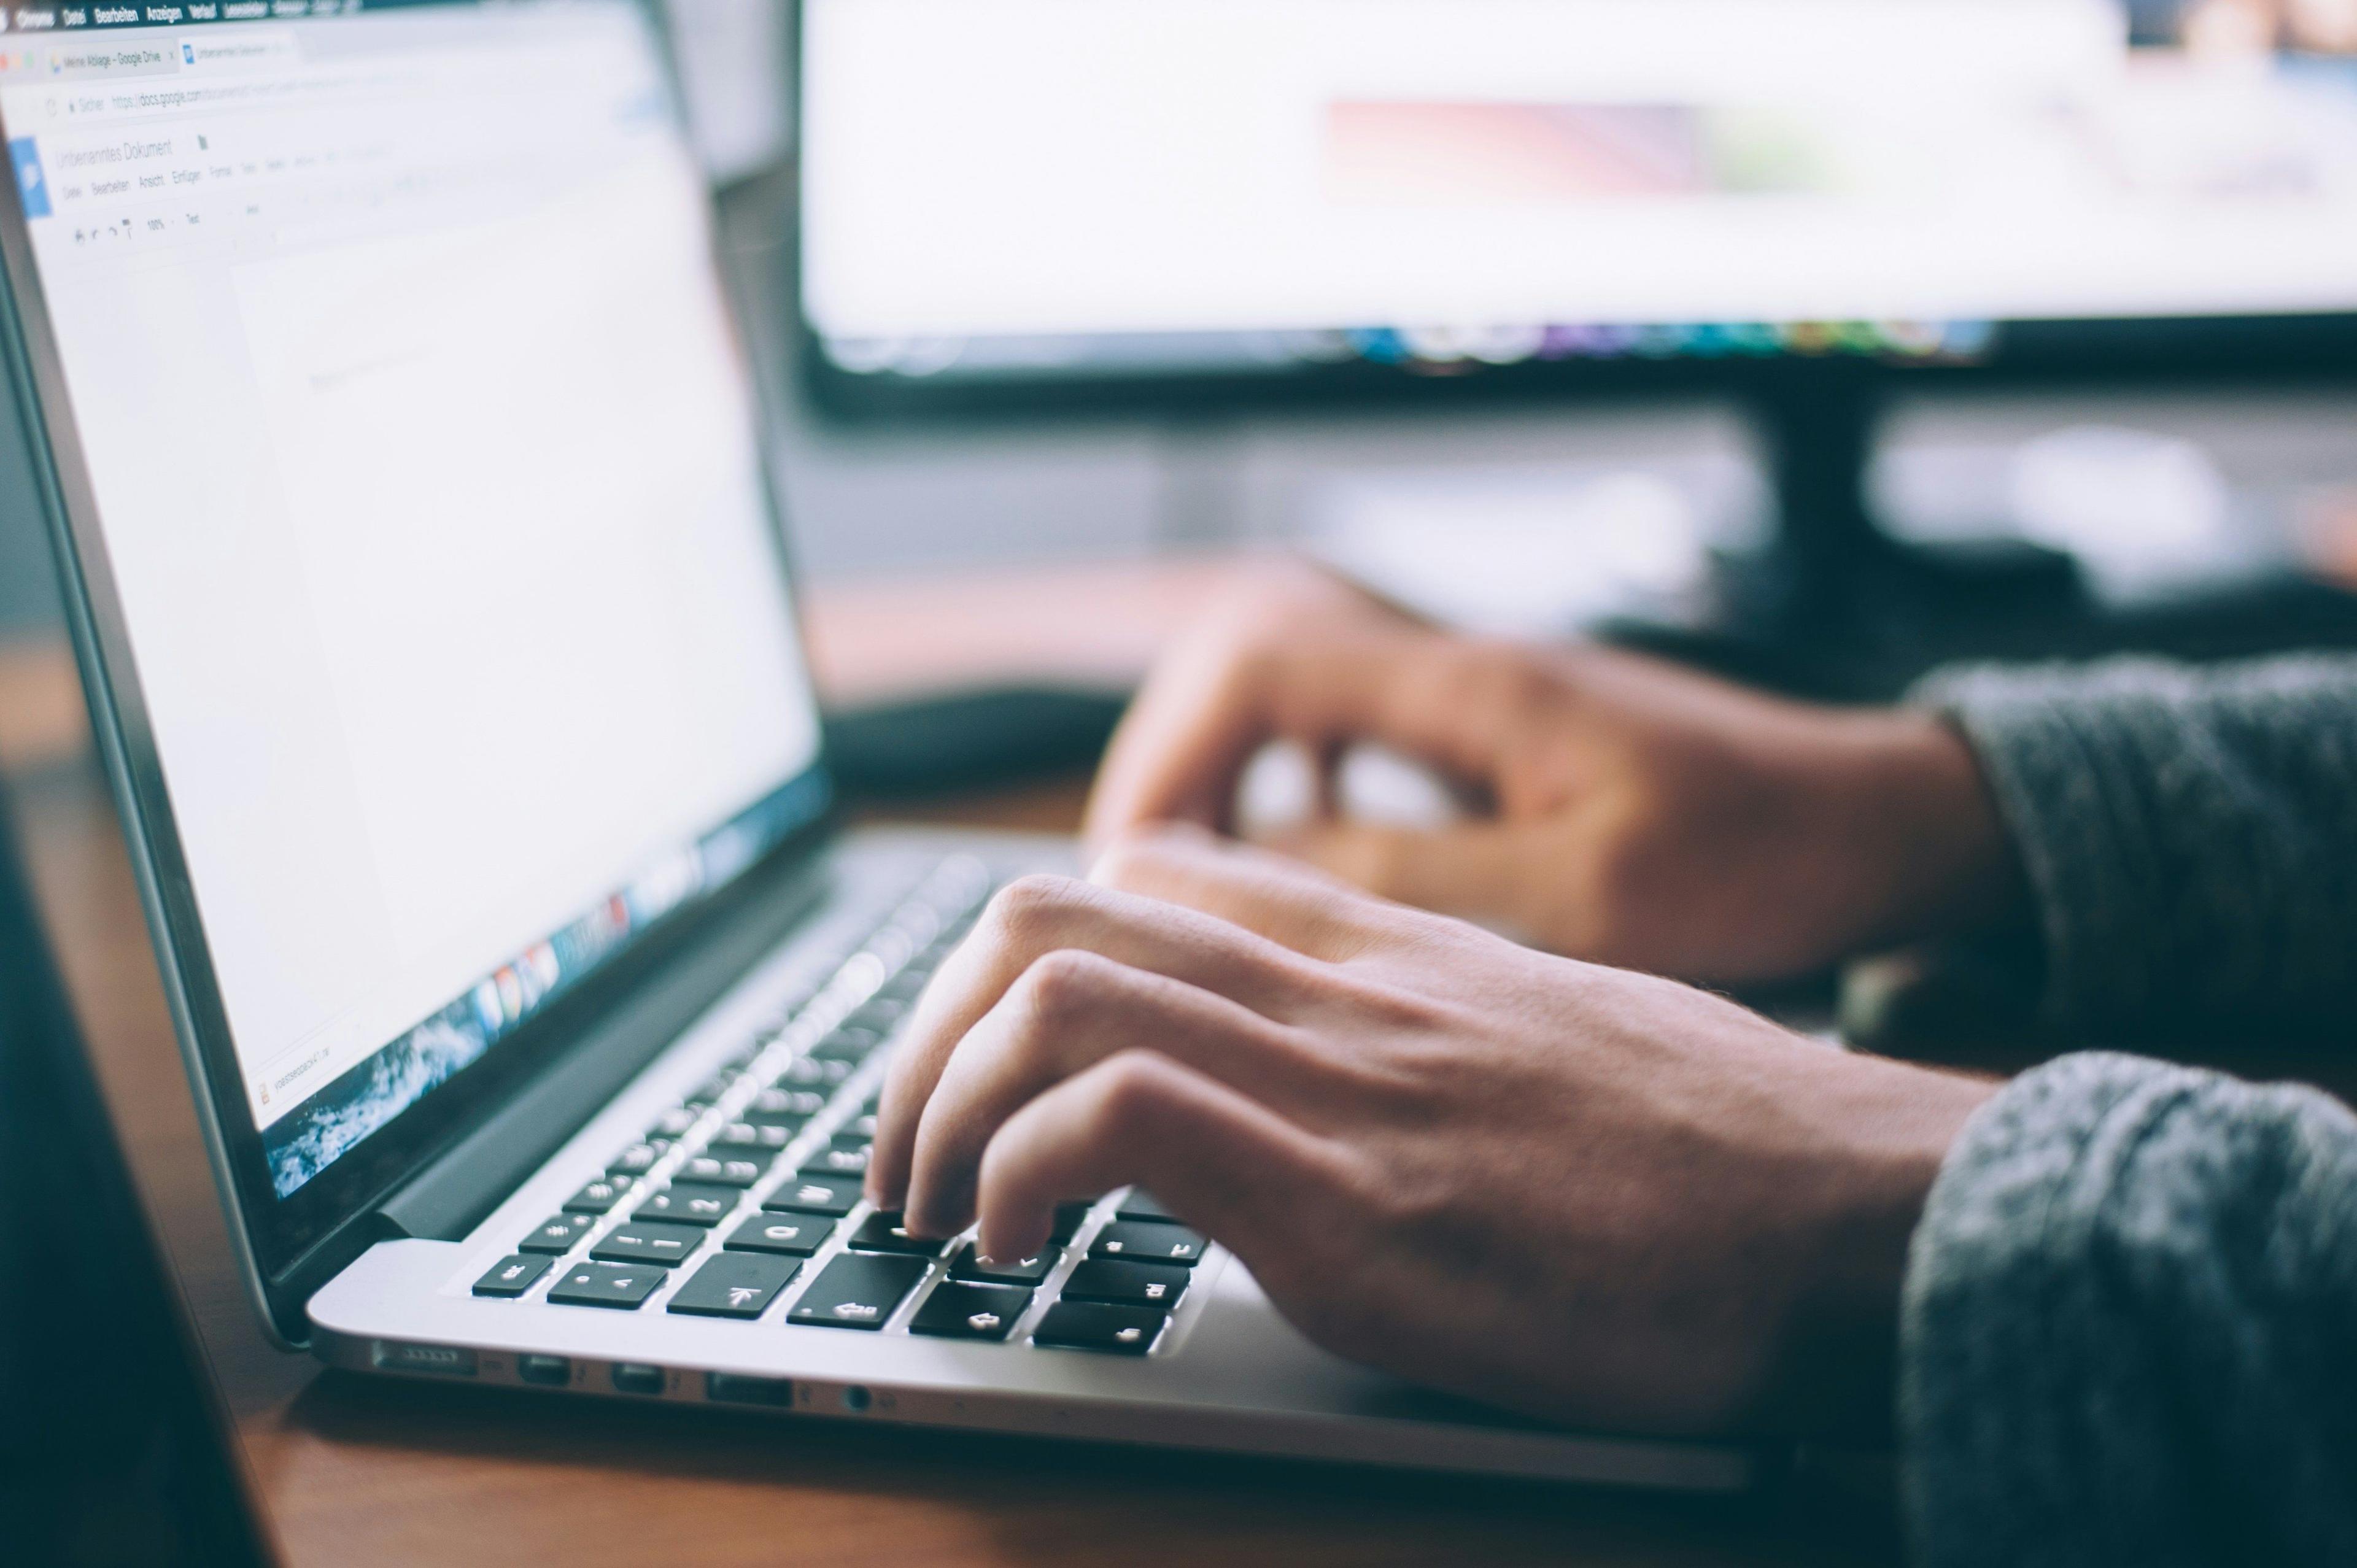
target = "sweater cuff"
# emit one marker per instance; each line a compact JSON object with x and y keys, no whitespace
{"x":2084,"y":840}
{"x":2124,"y":1323}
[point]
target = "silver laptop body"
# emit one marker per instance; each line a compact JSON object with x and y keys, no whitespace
{"x":407,"y":473}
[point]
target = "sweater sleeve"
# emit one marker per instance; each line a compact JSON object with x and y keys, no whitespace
{"x":2129,"y":1327}
{"x":2189,"y":835}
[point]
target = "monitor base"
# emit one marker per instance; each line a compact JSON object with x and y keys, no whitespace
{"x":1836,"y":607}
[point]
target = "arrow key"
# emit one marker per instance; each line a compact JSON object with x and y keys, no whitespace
{"x":858,"y":1290}
{"x":736,"y":1284}
{"x":963,"y":1311}
{"x":1086,"y":1326}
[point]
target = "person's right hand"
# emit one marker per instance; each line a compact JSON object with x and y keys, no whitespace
{"x":1638,"y":814}
{"x":1595,"y":1197}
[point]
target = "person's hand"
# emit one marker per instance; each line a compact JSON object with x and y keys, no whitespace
{"x":1633,"y":812}
{"x":1589,"y":1195}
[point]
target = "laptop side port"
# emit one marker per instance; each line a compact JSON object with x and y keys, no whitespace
{"x":435,"y":1360}
{"x":734,"y":1388}
{"x":637,"y":1378}
{"x":545,"y":1371}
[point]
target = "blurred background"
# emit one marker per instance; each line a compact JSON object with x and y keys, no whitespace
{"x":1522,"y":478}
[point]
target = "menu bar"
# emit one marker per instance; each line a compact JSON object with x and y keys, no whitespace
{"x":37,"y":20}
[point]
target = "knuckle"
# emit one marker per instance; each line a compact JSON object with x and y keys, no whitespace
{"x":1062,"y":985}
{"x":1131,"y":1089}
{"x":1030,"y":903}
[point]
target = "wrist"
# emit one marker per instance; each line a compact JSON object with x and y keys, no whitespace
{"x":1832,"y":1372}
{"x":1919,"y":812}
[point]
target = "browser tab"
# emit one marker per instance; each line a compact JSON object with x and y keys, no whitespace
{"x":71,"y":61}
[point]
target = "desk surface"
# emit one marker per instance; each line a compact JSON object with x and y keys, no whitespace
{"x":355,"y":1470}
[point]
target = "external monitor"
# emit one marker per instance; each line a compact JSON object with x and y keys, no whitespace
{"x":1099,"y":201}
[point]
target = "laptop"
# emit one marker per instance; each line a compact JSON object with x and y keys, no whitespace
{"x":121,"y":1458}
{"x":407,"y":476}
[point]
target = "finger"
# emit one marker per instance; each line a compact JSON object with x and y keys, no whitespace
{"x":1183,"y":745}
{"x":1482,"y":869}
{"x":1040,"y":915}
{"x":1280,"y":898}
{"x":1232,"y":1168}
{"x":1068,"y":1012}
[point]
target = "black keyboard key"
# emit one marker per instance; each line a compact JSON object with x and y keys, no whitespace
{"x":621,"y":1286}
{"x":751,"y":1138}
{"x":723,"y":1171}
{"x":688,"y":1203}
{"x":511,"y":1276}
{"x":833,"y":1162}
{"x":807,"y":1071}
{"x":797,"y":1105}
{"x":635,"y":1160}
{"x":674,"y":1123}
{"x":1027,"y":1270}
{"x":638,"y":1241}
{"x":880,"y":1016}
{"x":1087,"y":1326}
{"x":595,"y":1198}
{"x":883,"y":1232}
{"x":848,"y":1046}
{"x":735,"y":1285}
{"x":834,"y":1196}
{"x":1139,"y":1204}
{"x":1132,"y":1284}
{"x":909,"y":983}
{"x":557,"y":1233}
{"x":858,"y":1290}
{"x":957,"y":1310}
{"x":1138,"y":1240}
{"x":1069,"y":1218}
{"x":787,"y":1235}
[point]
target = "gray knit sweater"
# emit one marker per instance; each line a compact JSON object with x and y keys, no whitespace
{"x":2129,"y":1333}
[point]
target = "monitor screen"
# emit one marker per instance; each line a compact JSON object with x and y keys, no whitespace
{"x":426,"y":475}
{"x":1020,"y":189}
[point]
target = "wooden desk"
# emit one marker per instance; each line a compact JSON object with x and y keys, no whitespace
{"x":359,"y":1471}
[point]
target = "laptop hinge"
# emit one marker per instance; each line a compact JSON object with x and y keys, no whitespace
{"x":460,"y":1188}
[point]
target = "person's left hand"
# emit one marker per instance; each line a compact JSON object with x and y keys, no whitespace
{"x":1586,"y":1194}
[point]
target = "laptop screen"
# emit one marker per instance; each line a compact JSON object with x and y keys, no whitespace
{"x":428,"y":475}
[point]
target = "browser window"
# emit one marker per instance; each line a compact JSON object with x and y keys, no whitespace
{"x":428,"y":476}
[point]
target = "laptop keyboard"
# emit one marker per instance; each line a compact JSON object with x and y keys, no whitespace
{"x":743,"y":1203}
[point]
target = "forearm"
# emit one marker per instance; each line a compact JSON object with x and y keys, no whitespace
{"x":2188,"y":838}
{"x":2129,"y":1331}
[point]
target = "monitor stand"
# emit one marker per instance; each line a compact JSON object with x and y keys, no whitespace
{"x":1837,"y":607}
